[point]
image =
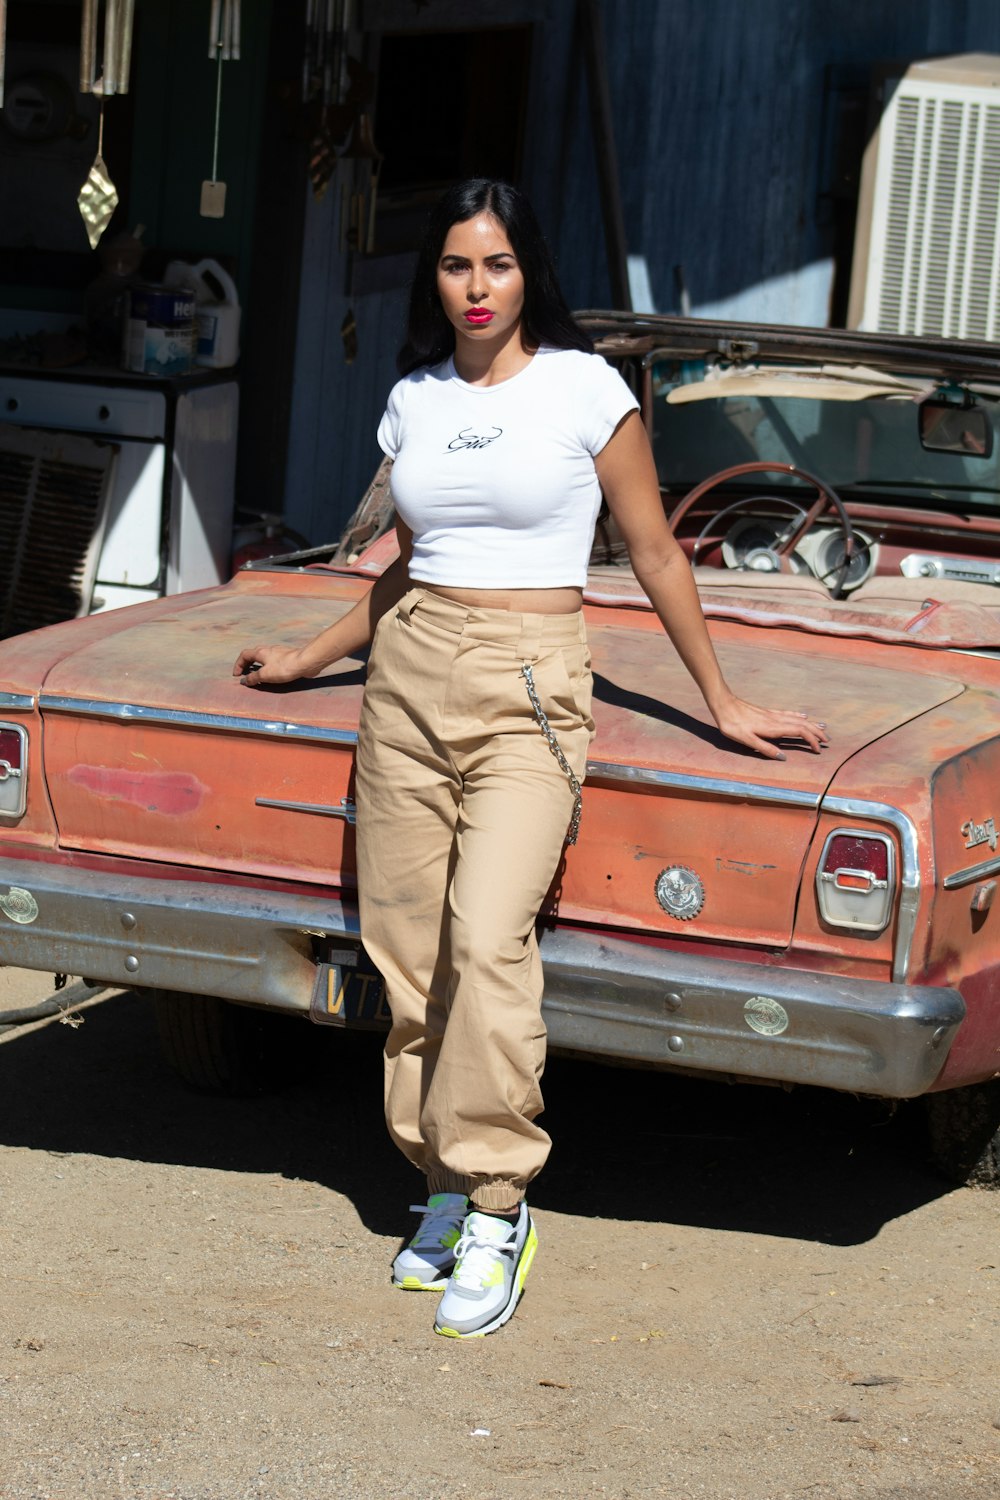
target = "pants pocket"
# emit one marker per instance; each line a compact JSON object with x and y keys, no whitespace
{"x":565,"y":687}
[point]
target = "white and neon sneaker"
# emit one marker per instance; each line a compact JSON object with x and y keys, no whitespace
{"x":429,"y":1258}
{"x":493,"y":1259}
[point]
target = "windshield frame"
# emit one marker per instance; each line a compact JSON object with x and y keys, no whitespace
{"x":706,"y":416}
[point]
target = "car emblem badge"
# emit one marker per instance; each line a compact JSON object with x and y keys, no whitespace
{"x":19,"y":905}
{"x":680,"y":892}
{"x":765,"y":1015}
{"x":980,"y":833}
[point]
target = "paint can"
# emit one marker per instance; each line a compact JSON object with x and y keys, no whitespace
{"x":160,"y":330}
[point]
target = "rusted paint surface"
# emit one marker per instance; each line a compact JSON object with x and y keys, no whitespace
{"x":647,"y":710}
{"x":975,"y":1052}
{"x":227,"y":829}
{"x":26,"y":665}
{"x":185,"y":660}
{"x":963,"y":945}
{"x":901,"y":718}
{"x":747,"y":858}
{"x":171,"y":793}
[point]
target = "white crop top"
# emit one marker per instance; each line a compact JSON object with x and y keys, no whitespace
{"x":497,"y":483}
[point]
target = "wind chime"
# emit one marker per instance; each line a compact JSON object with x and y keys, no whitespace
{"x":98,"y":198}
{"x":326,"y":88}
{"x":223,"y":46}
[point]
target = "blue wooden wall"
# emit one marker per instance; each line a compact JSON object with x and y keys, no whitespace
{"x":719,"y":121}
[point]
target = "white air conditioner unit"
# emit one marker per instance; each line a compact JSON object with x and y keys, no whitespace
{"x":927,"y":243}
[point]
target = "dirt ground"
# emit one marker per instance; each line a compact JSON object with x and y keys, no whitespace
{"x":740,"y":1294}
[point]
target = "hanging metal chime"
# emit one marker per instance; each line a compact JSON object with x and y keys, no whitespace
{"x":98,"y":197}
{"x":117,"y":51}
{"x":325,"y":82}
{"x":223,"y":46}
{"x":324,"y":65}
{"x":359,"y":165}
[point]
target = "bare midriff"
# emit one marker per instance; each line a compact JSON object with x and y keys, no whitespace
{"x":559,"y":601}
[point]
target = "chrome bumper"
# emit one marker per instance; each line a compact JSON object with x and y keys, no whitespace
{"x":634,"y":1001}
{"x":605,"y":996}
{"x":243,"y":944}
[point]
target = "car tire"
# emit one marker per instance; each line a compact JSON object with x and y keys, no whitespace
{"x":221,"y":1048}
{"x":963,"y":1129}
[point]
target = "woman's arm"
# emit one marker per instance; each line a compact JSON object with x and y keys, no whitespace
{"x":628,"y":478}
{"x":271,"y":664}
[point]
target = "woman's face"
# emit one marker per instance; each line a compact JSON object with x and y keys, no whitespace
{"x":479,"y":281}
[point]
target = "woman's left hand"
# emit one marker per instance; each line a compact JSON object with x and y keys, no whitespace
{"x":756,"y":727}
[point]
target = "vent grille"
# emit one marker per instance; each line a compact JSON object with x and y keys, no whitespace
{"x":934,"y":237}
{"x":54,"y":492}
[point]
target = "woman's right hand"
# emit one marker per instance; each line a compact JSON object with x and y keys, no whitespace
{"x":257,"y":666}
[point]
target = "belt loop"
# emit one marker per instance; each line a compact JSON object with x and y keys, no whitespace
{"x":529,"y":641}
{"x":408,"y":604}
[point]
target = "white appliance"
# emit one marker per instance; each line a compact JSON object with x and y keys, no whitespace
{"x":168,"y":524}
{"x":928,"y":233}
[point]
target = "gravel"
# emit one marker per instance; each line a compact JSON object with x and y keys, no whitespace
{"x":741,"y":1294}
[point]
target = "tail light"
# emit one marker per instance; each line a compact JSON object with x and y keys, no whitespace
{"x":856,"y":879}
{"x":13,"y":770}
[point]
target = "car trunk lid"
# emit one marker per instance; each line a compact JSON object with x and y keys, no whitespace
{"x":723,"y":831}
{"x":185,"y":765}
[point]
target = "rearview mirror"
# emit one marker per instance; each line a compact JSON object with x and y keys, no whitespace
{"x":946,"y":427}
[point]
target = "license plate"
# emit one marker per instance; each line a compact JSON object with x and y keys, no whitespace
{"x":349,"y":992}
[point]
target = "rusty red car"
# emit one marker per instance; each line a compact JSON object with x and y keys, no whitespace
{"x":822,"y":920}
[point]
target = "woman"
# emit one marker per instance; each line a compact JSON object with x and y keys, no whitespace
{"x":504,"y":431}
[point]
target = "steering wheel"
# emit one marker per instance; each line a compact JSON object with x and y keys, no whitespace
{"x":827,"y":499}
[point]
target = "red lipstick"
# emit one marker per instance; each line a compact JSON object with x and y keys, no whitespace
{"x":479,"y":315}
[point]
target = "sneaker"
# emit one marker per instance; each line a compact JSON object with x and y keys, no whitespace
{"x":429,"y":1258}
{"x":493,"y":1259}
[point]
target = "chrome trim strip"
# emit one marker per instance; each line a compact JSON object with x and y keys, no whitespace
{"x":17,"y":702}
{"x":749,"y":791}
{"x":279,"y":728}
{"x":605,"y":770}
{"x":971,"y":873}
{"x":909,"y":898}
{"x":346,"y":810}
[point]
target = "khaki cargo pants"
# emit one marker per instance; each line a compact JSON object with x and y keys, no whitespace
{"x":462,"y":815}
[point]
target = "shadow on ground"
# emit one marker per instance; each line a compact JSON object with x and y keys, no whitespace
{"x":628,"y":1145}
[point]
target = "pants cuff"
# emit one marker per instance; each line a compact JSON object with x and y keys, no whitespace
{"x":499,"y":1196}
{"x":440,"y":1180}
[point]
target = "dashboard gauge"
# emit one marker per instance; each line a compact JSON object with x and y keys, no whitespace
{"x":754,"y":540}
{"x":828,"y":561}
{"x":752,"y":534}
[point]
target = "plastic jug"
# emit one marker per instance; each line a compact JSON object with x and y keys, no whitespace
{"x":218,"y":310}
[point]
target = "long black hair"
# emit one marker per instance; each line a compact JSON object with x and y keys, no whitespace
{"x":546,"y":318}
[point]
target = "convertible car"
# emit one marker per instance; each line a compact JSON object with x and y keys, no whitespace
{"x":823,"y":920}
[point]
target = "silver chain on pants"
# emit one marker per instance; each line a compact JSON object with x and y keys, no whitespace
{"x":556,"y":748}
